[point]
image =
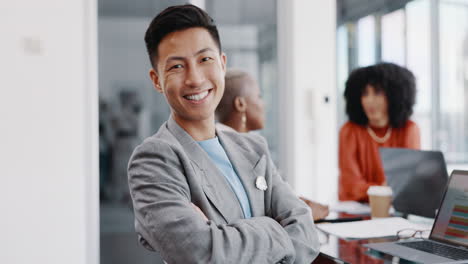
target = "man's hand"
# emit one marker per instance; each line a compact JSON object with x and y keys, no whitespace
{"x":200,"y":211}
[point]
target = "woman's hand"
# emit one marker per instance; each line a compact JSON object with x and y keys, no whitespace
{"x":319,"y":211}
{"x":200,"y":211}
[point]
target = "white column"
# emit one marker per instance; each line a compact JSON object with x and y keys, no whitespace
{"x":49,"y":136}
{"x":307,"y":67}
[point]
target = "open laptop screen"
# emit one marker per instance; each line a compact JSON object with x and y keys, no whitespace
{"x":451,"y":224}
{"x":418,"y":179}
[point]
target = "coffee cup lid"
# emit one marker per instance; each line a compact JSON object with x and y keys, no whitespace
{"x":379,"y":191}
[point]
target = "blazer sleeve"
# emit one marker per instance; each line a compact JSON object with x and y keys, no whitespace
{"x":293,"y":215}
{"x":169,"y":224}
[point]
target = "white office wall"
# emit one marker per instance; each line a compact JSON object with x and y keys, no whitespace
{"x":307,"y":66}
{"x":48,"y":132}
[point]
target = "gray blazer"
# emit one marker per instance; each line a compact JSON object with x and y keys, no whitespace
{"x":169,"y":170}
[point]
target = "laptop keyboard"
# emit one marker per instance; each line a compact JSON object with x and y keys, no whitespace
{"x":437,"y":249}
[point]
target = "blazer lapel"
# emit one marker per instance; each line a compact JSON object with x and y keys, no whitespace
{"x":248,"y":167}
{"x":215,"y":185}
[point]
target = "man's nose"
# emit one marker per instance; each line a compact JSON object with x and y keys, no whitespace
{"x":194,"y":77}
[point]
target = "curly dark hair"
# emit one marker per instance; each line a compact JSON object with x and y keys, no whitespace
{"x":397,"y":83}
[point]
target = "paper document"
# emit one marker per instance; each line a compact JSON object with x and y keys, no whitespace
{"x":382,"y":227}
{"x":350,"y":207}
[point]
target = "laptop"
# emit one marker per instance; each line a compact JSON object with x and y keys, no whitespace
{"x":418,"y":179}
{"x":448,"y":241}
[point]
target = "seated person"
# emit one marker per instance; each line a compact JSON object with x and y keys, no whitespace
{"x":379,"y":103}
{"x":241,"y":108}
{"x":200,"y":194}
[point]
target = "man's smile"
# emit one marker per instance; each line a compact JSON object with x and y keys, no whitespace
{"x":198,"y":96}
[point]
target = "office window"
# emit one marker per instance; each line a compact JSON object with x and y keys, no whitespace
{"x":418,"y":60}
{"x":406,"y":34}
{"x":453,"y":28}
{"x":366,"y":41}
{"x":393,"y":37}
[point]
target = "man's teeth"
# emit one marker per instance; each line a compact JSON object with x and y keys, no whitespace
{"x":197,"y":97}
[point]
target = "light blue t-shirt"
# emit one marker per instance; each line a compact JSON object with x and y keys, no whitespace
{"x":219,"y":157}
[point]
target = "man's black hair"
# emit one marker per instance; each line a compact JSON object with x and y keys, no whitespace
{"x":177,"y":18}
{"x":397,"y":83}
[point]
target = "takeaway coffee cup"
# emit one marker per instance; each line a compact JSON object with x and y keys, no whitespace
{"x":380,"y":199}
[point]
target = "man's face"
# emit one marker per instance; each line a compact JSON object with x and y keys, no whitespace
{"x":190,"y":73}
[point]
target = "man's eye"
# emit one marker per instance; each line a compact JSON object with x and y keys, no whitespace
{"x":205,"y":59}
{"x":177,"y":66}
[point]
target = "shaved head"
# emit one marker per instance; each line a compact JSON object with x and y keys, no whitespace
{"x":237,"y":83}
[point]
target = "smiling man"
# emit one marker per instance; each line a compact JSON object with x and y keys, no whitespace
{"x":200,"y":194}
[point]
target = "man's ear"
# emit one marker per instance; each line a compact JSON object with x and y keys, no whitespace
{"x":223,"y":61}
{"x":240,"y":104}
{"x":155,"y":80}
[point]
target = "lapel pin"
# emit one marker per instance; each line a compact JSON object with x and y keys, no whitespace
{"x":260,"y":183}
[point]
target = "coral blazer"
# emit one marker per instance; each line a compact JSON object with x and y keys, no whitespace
{"x":359,"y":160}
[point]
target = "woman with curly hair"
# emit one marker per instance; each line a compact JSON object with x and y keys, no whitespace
{"x":379,"y":103}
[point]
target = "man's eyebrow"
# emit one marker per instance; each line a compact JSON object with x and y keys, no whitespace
{"x":173,"y":58}
{"x":203,"y":50}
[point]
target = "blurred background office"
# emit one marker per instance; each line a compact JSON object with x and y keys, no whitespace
{"x":77,"y":98}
